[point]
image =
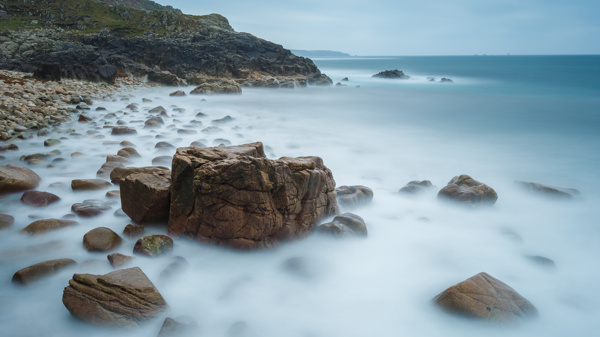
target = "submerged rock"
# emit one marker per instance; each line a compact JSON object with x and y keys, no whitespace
{"x":236,"y":197}
{"x":15,"y":178}
{"x":347,"y":224}
{"x":549,"y":191}
{"x":182,"y":327}
{"x":351,"y":197}
{"x":6,"y":220}
{"x":40,"y":270}
{"x":122,"y":298}
{"x":416,"y":187}
{"x":468,"y":191}
{"x":486,"y":298}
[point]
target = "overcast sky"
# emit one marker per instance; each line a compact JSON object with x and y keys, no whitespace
{"x":427,"y":27}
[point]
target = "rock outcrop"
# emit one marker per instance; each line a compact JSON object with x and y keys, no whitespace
{"x":486,"y":298}
{"x":15,"y":178}
{"x":468,"y":191}
{"x":236,"y":197}
{"x":122,"y":298}
{"x":145,"y":197}
{"x":391,"y":74}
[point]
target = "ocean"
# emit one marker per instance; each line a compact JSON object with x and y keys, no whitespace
{"x":503,"y":119}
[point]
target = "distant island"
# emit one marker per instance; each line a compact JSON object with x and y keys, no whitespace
{"x":319,"y":53}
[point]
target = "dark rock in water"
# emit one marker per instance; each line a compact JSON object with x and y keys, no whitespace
{"x":39,"y":198}
{"x":133,"y":231}
{"x":209,"y":86}
{"x":223,"y":120}
{"x":84,"y":119}
{"x":145,"y":197}
{"x":15,"y":178}
{"x":166,"y":78}
{"x":236,"y":197}
{"x":40,"y":270}
{"x":162,"y":160}
{"x":468,"y":191}
{"x":182,"y":327}
{"x":122,"y":298}
{"x":339,"y":84}
{"x":48,"y":71}
{"x":212,"y":130}
{"x":6,"y":220}
{"x":391,"y":74}
{"x":542,"y":261}
{"x":114,"y":194}
{"x":89,"y":184}
{"x":222,"y":142}
{"x":101,"y":239}
{"x":51,"y":142}
{"x":10,"y":147}
{"x":485,"y":298}
{"x":157,"y":110}
{"x":116,"y":159}
{"x":446,"y":80}
{"x":123,"y":130}
{"x":351,"y":197}
{"x":177,"y":266}
{"x":118,"y":260}
{"x":301,"y":267}
{"x":177,"y":93}
{"x":416,"y":187}
{"x":89,"y":209}
{"x":106,"y":169}
{"x":45,"y":225}
{"x":153,"y":245}
{"x":549,"y":191}
{"x":128,"y":152}
{"x":345,"y":79}
{"x":120,"y":173}
{"x":347,"y":224}
{"x":164,"y":146}
{"x":186,"y":132}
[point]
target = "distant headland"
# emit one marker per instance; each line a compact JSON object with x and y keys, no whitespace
{"x":319,"y":53}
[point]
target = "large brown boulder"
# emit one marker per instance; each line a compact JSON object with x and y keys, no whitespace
{"x":468,"y":191}
{"x":15,"y":178}
{"x":236,"y":197}
{"x":41,"y":270}
{"x":486,"y":298}
{"x":120,"y":173}
{"x":145,"y":197}
{"x":101,"y":239}
{"x":122,"y":298}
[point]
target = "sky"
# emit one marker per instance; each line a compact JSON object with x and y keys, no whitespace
{"x":427,"y":27}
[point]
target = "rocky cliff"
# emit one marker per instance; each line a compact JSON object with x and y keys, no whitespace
{"x":98,"y":40}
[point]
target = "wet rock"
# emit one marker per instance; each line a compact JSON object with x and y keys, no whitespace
{"x":177,"y":93}
{"x":118,"y":260}
{"x":89,"y":184}
{"x":549,"y":191}
{"x":118,"y":174}
{"x":236,"y":197}
{"x":542,"y":261}
{"x":145,"y":197}
{"x":416,"y":187}
{"x":300,"y":267}
{"x":157,"y":110}
{"x":347,"y":224}
{"x":133,"y":231}
{"x":10,"y":147}
{"x":88,"y":208}
{"x":446,"y":80}
{"x":186,"y":132}
{"x":15,"y":178}
{"x":6,"y":220}
{"x":116,"y":159}
{"x":178,"y":265}
{"x":122,"y":298}
{"x":162,"y":160}
{"x":84,"y":119}
{"x":45,"y":225}
{"x":198,"y":144}
{"x":119,"y":213}
{"x":224,"y":120}
{"x":114,"y":194}
{"x":392,"y":74}
{"x":123,"y":130}
{"x":106,"y":169}
{"x":41,"y":270}
{"x":153,"y":245}
{"x":468,"y":191}
{"x":51,"y":142}
{"x":210,"y":86}
{"x":126,"y":143}
{"x":164,"y":146}
{"x":485,"y":298}
{"x":128,"y":152}
{"x":39,"y":198}
{"x":101,"y":239}
{"x":351,"y":197}
{"x":154,"y":122}
{"x":182,"y":327}
{"x":212,"y":129}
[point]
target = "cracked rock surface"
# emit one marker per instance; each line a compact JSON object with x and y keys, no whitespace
{"x":236,"y":197}
{"x":486,"y":298}
{"x":122,"y":298}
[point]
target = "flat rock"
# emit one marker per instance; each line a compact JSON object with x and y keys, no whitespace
{"x":89,"y":184}
{"x":468,"y":191}
{"x":40,"y":270}
{"x":39,"y":198}
{"x":123,"y":130}
{"x":485,"y":298}
{"x":118,"y":260}
{"x":119,"y":174}
{"x":550,"y":191}
{"x":101,"y":239}
{"x":153,"y":245}
{"x":122,"y":298}
{"x":45,"y":225}
{"x":88,"y":209}
{"x":352,"y":197}
{"x":15,"y":178}
{"x":347,"y":224}
{"x":145,"y":197}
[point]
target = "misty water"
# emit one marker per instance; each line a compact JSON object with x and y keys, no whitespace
{"x":510,"y":122}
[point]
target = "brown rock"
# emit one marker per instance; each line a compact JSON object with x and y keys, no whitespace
{"x":177,"y":93}
{"x":416,"y":187}
{"x":145,"y":197}
{"x":41,"y":270}
{"x":122,"y":298}
{"x":101,"y":239}
{"x":45,"y":225}
{"x":15,"y":178}
{"x":153,"y":245}
{"x":157,"y":110}
{"x":89,"y":184}
{"x":6,"y":220}
{"x":209,"y":86}
{"x":351,"y":197}
{"x":133,"y":231}
{"x":182,"y":327}
{"x":114,"y":194}
{"x":117,"y":159}
{"x":123,"y":130}
{"x":236,"y":197}
{"x":344,"y":225}
{"x":118,"y":260}
{"x":118,"y":174}
{"x":84,"y":119}
{"x":486,"y":298}
{"x":107,"y":168}
{"x":89,"y":208}
{"x":128,"y":152}
{"x":468,"y":191}
{"x":39,"y":198}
